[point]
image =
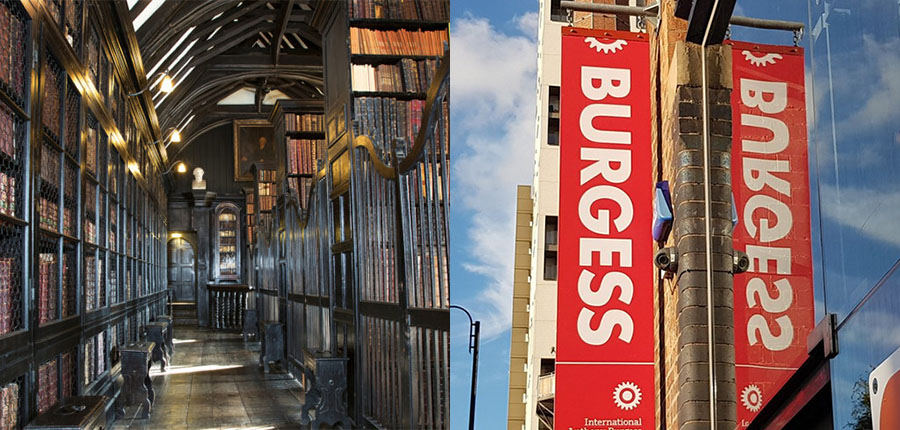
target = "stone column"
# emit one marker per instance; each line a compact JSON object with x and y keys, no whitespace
{"x":687,"y":342}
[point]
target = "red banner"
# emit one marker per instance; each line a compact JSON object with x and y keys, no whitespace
{"x":604,"y":353}
{"x":773,"y":302}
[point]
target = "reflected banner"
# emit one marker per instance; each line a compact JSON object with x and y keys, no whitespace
{"x":604,"y":355}
{"x":773,"y":301}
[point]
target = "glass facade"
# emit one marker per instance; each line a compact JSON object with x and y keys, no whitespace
{"x":853,"y":113}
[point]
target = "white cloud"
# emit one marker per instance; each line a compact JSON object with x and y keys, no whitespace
{"x":877,"y":67}
{"x":872,"y":212}
{"x":493,"y":80}
{"x":527,"y":23}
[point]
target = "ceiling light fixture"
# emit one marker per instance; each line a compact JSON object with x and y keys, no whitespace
{"x":167,"y":85}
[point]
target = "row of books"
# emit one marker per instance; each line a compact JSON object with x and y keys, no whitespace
{"x":408,"y":76}
{"x":10,"y":297}
{"x":48,"y":385}
{"x":386,"y":119}
{"x":68,"y":282}
{"x":250,"y":231}
{"x":304,"y":122}
{"x":397,"y":42}
{"x":7,"y":194}
{"x":113,"y":283}
{"x":303,"y":155}
{"x":90,"y":360}
{"x":429,"y":10}
{"x":266,"y":189}
{"x":48,"y":211}
{"x":50,"y":166}
{"x":67,"y":361}
{"x":9,"y":132}
{"x":48,"y":289}
{"x":90,"y":283}
{"x":266,"y":203}
{"x":265,"y":175}
{"x":90,"y":231}
{"x":50,"y":100}
{"x":9,"y":405}
{"x":12,"y":50}
{"x":90,"y":150}
{"x":301,"y":188}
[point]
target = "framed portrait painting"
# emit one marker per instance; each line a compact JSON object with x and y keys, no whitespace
{"x":254,"y":142}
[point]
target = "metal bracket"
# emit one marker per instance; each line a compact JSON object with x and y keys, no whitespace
{"x":652,"y":14}
{"x":826,"y":335}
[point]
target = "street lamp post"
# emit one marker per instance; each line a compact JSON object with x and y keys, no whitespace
{"x":474,"y":337}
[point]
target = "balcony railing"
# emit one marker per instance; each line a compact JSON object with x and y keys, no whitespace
{"x":546,"y":388}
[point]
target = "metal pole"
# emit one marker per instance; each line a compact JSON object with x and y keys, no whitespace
{"x":476,"y":328}
{"x":474,"y":340}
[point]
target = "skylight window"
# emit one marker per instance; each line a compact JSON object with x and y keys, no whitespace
{"x":243,"y":96}
{"x":273,"y":96}
{"x":174,"y":47}
{"x":146,"y":13}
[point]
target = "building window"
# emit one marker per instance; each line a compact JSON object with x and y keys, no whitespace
{"x":553,"y":117}
{"x":556,"y":12}
{"x":548,"y":366}
{"x":551,"y":236}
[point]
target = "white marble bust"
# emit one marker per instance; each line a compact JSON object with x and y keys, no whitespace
{"x":198,"y":183}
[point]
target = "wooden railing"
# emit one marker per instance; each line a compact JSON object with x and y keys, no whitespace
{"x":226,"y":306}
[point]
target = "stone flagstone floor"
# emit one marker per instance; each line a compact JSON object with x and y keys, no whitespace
{"x":214,"y":382}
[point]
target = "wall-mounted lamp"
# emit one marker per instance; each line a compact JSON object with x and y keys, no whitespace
{"x":167,"y":85}
{"x":175,"y":235}
{"x":179,"y":167}
{"x":174,"y":137}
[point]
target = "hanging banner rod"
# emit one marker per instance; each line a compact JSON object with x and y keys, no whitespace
{"x":652,"y":11}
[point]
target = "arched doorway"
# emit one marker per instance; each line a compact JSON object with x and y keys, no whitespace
{"x":182,"y":277}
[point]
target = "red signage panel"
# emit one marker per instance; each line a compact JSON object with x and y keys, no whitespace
{"x":604,"y":354}
{"x":773,"y":302}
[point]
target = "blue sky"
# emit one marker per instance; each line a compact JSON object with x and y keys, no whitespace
{"x":493,"y":80}
{"x":852,"y":165}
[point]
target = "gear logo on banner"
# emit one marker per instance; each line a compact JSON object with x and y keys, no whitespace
{"x":763,"y":61}
{"x":627,"y":395}
{"x":605,"y":48}
{"x":751,"y":397}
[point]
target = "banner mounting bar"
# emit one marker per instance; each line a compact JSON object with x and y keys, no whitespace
{"x":652,"y":11}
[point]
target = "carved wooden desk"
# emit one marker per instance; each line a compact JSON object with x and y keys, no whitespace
{"x":170,"y":333}
{"x":73,"y":413}
{"x":251,"y":325}
{"x":156,"y":332}
{"x":272,"y":348}
{"x":326,"y":380}
{"x":138,"y":389}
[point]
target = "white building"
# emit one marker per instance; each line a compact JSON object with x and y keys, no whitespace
{"x":541,"y":307}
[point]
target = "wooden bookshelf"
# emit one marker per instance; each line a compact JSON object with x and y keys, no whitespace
{"x":94,"y":230}
{"x":300,"y":145}
{"x":394,"y":54}
{"x":227,"y":252}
